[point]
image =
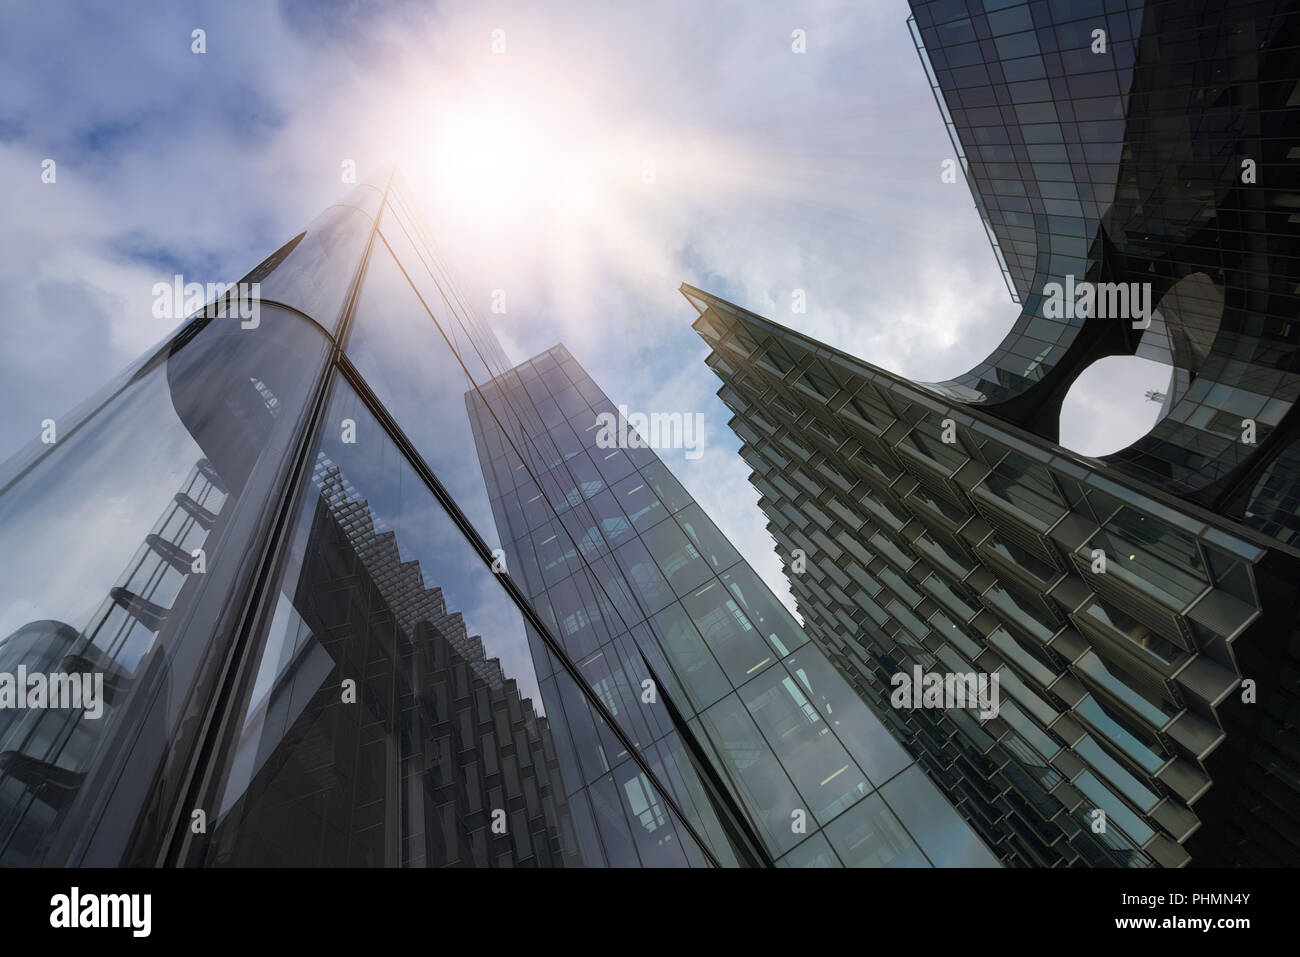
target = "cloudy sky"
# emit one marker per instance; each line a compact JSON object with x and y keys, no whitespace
{"x":600,"y":156}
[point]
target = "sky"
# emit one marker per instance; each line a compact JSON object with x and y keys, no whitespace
{"x":583,"y":158}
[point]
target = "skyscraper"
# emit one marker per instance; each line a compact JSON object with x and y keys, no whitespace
{"x":765,"y":747}
{"x":271,"y":540}
{"x":1129,"y":162}
{"x":308,"y":658}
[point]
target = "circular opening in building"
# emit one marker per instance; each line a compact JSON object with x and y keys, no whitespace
{"x":1113,"y":403}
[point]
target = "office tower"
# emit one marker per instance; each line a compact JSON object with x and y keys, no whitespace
{"x":766,"y":749}
{"x":1140,"y":607}
{"x":308,"y":660}
{"x":272,"y":539}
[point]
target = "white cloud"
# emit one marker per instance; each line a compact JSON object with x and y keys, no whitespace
{"x":772,"y":171}
{"x":1105,"y":410}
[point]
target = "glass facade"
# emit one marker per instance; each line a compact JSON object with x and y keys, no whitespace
{"x":330,"y":636}
{"x":742,"y":719}
{"x":1139,"y":609}
{"x":182,"y":455}
{"x":1131,"y":144}
{"x":1122,"y":684}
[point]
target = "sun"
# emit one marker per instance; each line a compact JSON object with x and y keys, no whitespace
{"x":546,"y":180}
{"x":490,"y":161}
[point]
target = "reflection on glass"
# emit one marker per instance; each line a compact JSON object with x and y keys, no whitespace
{"x":767,"y":614}
{"x":689,"y":658}
{"x":401,"y":352}
{"x":821,"y":769}
{"x":316,"y":270}
{"x":944,"y":837}
{"x":395,"y":717}
{"x":738,"y":646}
{"x":871,"y":745}
{"x":764,"y":789}
{"x":677,"y":557}
{"x":870,"y":836}
{"x":126,"y":526}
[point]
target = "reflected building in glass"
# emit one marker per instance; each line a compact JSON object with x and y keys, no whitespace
{"x":332,"y":636}
{"x":1141,"y":607}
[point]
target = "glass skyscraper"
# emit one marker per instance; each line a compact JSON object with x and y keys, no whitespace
{"x":1140,"y":608}
{"x":767,"y":750}
{"x":271,"y":539}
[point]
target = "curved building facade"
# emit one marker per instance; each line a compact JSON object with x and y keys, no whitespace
{"x":1134,"y":166}
{"x":1146,"y":150}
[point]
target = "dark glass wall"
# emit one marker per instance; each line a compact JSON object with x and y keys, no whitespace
{"x":1142,"y":144}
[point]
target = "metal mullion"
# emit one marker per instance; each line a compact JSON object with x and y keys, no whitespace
{"x":404,"y":446}
{"x":272,"y":551}
{"x":682,"y":728}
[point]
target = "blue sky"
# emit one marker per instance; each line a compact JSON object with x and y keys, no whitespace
{"x":772,"y":171}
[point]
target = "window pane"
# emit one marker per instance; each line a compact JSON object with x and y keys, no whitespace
{"x":737,"y":645}
{"x":868,"y":835}
{"x":764,"y":789}
{"x":871,"y":745}
{"x":677,"y":557}
{"x":946,"y":839}
{"x":395,"y":708}
{"x":110,"y":522}
{"x":817,"y":763}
